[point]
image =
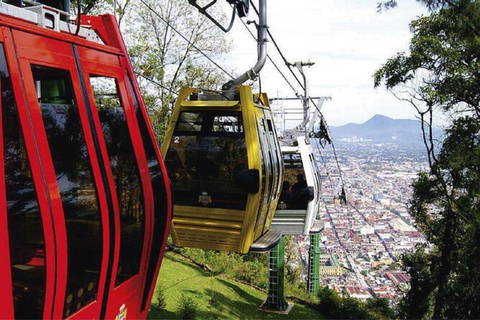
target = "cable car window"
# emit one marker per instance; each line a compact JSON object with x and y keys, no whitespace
{"x":75,"y":182}
{"x":268,"y":151}
{"x":276,"y":160}
{"x":293,"y":195}
{"x":190,"y":121}
{"x":159,"y":194}
{"x":316,"y":176}
{"x":227,"y":124}
{"x":264,"y":170}
{"x":203,"y":164}
{"x":263,"y":191}
{"x":26,"y":236}
{"x":125,"y":173}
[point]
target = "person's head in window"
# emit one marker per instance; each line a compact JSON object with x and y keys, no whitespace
{"x":301,"y":183}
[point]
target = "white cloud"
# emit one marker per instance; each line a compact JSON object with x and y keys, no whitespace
{"x":347,"y":39}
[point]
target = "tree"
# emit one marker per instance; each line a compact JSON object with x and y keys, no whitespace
{"x":334,"y":306}
{"x":441,"y":74}
{"x":430,"y":4}
{"x":168,"y":41}
{"x":94,"y":7}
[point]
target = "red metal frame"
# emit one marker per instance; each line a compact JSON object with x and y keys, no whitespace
{"x":6,"y":289}
{"x":26,"y":44}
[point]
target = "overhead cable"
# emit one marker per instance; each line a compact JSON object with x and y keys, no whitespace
{"x":185,"y":38}
{"x":271,"y":60}
{"x":156,"y":83}
{"x":279,"y":51}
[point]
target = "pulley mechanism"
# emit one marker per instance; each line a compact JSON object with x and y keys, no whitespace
{"x":240,"y":6}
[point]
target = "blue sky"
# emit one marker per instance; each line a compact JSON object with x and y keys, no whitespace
{"x":347,"y":39}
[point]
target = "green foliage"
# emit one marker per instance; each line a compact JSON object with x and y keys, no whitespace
{"x":158,"y":301}
{"x":330,"y":302}
{"x":163,"y":59}
{"x":432,"y":5}
{"x":333,"y":306}
{"x":217,"y":296}
{"x":188,"y":307}
{"x":441,"y":73}
{"x":379,"y":309}
{"x":251,"y":268}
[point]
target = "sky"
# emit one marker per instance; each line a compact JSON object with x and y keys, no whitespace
{"x":348,"y":40}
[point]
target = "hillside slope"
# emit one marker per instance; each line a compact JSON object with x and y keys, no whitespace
{"x":217,"y":297}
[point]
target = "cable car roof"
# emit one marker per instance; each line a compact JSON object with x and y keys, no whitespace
{"x":38,"y":14}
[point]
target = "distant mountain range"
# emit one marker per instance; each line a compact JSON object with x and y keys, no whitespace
{"x":382,"y":129}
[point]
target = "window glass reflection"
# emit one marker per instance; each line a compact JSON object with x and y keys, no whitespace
{"x":26,"y":236}
{"x":294,"y":194}
{"x":125,"y":173}
{"x":203,"y":162}
{"x":75,"y":181}
{"x":275,"y":154}
{"x":268,"y":152}
{"x":159,"y":195}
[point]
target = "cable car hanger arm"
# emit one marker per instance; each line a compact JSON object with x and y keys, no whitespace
{"x":203,"y":10}
{"x":262,"y":50}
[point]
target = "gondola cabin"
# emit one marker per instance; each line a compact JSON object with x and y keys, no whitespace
{"x":84,"y":196}
{"x":300,"y":196}
{"x":225,"y":166}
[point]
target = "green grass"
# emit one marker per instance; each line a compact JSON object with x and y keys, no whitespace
{"x":216,"y":296}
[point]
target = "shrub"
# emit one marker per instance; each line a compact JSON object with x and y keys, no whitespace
{"x":158,"y":301}
{"x":330,"y":302}
{"x":333,"y":306}
{"x":187,"y":308}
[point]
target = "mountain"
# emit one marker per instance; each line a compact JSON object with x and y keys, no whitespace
{"x":382,"y":129}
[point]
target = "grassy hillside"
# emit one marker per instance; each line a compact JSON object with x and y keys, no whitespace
{"x":216,"y":296}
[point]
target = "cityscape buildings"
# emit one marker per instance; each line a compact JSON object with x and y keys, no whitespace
{"x":364,"y":240}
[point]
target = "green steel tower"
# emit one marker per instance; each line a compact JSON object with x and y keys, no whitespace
{"x":276,"y":265}
{"x":314,"y":263}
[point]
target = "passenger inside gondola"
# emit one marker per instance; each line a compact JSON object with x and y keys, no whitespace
{"x":207,"y":152}
{"x":301,"y":183}
{"x":286,"y":196}
{"x":295,"y":191}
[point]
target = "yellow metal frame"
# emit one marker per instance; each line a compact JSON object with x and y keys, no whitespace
{"x":223,"y":229}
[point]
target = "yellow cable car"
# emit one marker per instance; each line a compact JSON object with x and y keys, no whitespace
{"x":225,"y":165}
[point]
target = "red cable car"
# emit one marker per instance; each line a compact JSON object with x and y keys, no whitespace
{"x":85,"y":201}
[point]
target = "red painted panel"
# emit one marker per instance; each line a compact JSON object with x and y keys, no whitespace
{"x":48,"y":48}
{"x":62,"y":58}
{"x":128,"y":293}
{"x":32,"y":152}
{"x":110,"y":32}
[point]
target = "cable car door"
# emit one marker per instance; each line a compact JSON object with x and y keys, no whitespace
{"x":97,"y":176}
{"x":113,"y":105}
{"x":28,"y":250}
{"x":78,"y":229}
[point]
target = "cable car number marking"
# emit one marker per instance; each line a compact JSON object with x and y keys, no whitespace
{"x":122,"y":315}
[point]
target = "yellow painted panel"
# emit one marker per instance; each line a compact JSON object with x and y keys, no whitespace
{"x":210,"y":104}
{"x":209,"y":213}
{"x":222,"y":229}
{"x":199,"y":222}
